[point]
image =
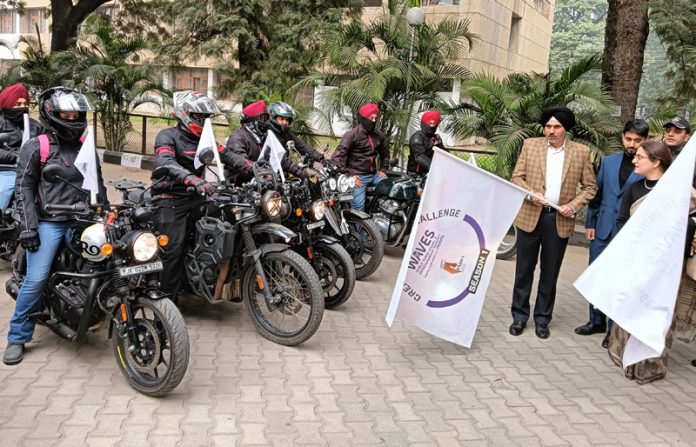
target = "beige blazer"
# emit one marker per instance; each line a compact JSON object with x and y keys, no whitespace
{"x":530,"y":174}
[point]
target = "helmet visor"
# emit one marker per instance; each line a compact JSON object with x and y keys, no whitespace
{"x":70,"y":102}
{"x":193,"y":102}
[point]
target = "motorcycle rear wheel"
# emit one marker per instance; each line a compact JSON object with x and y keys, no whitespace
{"x":160,"y":362}
{"x":365,"y":235}
{"x":291,"y":278}
{"x":337,"y":274}
{"x":508,"y":247}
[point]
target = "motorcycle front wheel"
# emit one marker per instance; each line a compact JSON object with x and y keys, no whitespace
{"x":296,"y":286}
{"x":336,"y":273}
{"x":159,"y":361}
{"x":508,"y":247}
{"x":365,"y":246}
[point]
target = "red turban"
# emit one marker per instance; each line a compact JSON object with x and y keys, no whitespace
{"x":254,"y":109}
{"x":9,"y":96}
{"x":368,"y":109}
{"x":431,"y":115}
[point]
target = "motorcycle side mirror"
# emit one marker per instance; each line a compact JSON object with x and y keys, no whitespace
{"x":160,"y":172}
{"x":206,"y":156}
{"x":393,"y":162}
{"x":53,"y":173}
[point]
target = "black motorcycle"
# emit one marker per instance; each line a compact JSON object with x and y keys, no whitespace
{"x":232,"y":253}
{"x":9,"y":234}
{"x":355,"y":230}
{"x":329,"y":259}
{"x":108,"y":269}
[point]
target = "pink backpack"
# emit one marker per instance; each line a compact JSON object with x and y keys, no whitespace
{"x":45,"y":148}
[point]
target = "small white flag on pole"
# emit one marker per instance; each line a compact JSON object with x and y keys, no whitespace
{"x":86,"y":163}
{"x":26,"y":133}
{"x":207,"y":141}
{"x":636,"y":278}
{"x":277,"y":151}
{"x":472,"y":159}
{"x":450,"y":255}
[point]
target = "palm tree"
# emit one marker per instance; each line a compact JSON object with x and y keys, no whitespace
{"x":507,"y":111}
{"x":374,"y":63}
{"x":104,"y":65}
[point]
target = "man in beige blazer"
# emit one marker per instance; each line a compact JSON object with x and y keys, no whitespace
{"x":560,"y":171}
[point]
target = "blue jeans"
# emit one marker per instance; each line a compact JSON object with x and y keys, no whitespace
{"x":359,"y":193}
{"x":39,"y":264}
{"x":7,"y":187}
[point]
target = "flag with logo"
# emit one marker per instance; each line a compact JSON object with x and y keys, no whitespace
{"x":273,"y":151}
{"x":86,"y":163}
{"x":26,"y":133}
{"x":206,"y":142}
{"x":451,"y":252}
{"x":636,"y":278}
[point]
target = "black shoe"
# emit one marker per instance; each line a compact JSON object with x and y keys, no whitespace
{"x":542,"y":330}
{"x":13,"y":354}
{"x":605,"y":342}
{"x":517,"y":327}
{"x":589,"y":329}
{"x":693,"y":363}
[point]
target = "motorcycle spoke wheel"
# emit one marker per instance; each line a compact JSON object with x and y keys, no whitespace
{"x":296,"y":287}
{"x":337,"y":275}
{"x":156,"y":362}
{"x":371,"y":251}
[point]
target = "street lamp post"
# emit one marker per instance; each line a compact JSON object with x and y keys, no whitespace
{"x":415,"y":17}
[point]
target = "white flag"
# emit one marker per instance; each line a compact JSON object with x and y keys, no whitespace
{"x":277,"y":151}
{"x":451,"y":251}
{"x":26,"y":133}
{"x":86,"y":163}
{"x":636,"y":278}
{"x":472,"y":159}
{"x":207,"y":141}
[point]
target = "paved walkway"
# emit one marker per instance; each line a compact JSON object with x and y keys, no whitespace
{"x":354,"y":382}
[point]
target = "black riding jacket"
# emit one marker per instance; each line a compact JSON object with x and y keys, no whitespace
{"x":242,"y":150}
{"x":422,"y":152}
{"x":176,"y":149}
{"x":358,"y":150}
{"x":11,"y":140}
{"x":33,"y":193}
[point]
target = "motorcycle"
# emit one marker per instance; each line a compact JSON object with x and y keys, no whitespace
{"x":108,"y":269}
{"x":329,"y":259}
{"x":9,"y":234}
{"x":232,"y":253}
{"x":356,"y":230}
{"x":508,"y":247}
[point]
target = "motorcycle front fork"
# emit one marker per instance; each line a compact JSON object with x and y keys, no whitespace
{"x":262,"y":281}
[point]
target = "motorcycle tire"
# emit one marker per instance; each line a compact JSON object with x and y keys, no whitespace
{"x":337,"y":274}
{"x":157,"y":372}
{"x":363,"y":268}
{"x":508,"y":247}
{"x":285,"y":271}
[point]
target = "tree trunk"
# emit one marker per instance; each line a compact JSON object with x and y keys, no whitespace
{"x":66,"y":19}
{"x":624,"y":45}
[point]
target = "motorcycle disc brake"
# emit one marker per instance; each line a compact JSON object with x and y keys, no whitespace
{"x":146,"y":358}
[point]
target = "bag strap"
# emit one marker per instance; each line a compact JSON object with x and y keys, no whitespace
{"x":44,"y":149}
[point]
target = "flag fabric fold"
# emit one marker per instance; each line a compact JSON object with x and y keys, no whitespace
{"x":26,"y":133}
{"x":207,"y":141}
{"x":636,"y":278}
{"x":450,"y":254}
{"x":86,"y":163}
{"x":273,"y":151}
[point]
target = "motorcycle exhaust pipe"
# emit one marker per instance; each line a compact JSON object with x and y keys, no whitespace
{"x":220,"y":283}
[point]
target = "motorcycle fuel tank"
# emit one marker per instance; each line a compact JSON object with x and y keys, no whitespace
{"x":397,"y":188}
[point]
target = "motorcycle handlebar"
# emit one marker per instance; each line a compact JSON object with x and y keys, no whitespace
{"x":75,"y":208}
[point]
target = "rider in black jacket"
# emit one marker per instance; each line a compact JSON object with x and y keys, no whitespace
{"x":281,"y":115}
{"x":64,"y":113}
{"x":423,"y":142}
{"x":183,"y":192}
{"x":245,"y":144}
{"x":14,"y":102}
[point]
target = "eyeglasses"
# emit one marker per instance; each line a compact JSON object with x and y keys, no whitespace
{"x":640,"y":157}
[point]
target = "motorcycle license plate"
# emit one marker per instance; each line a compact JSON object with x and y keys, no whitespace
{"x":314,"y":225}
{"x":140,"y":269}
{"x":345,"y":197}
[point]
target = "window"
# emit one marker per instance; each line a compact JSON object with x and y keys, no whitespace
{"x":439,"y":2}
{"x":305,"y":97}
{"x":110,"y":11}
{"x":543,"y":6}
{"x":372,"y":2}
{"x":192,"y":79}
{"x":7,"y":21}
{"x":32,"y":18}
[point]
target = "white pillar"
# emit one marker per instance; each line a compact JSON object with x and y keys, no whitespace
{"x":211,"y":84}
{"x":456,"y":90}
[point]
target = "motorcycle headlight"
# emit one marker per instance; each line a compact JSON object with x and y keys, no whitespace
{"x":352,"y":182}
{"x":332,"y":184}
{"x":144,"y":247}
{"x":318,"y":209}
{"x":343,"y":183}
{"x":271,"y":203}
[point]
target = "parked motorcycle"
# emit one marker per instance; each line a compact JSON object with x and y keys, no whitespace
{"x":356,"y":230}
{"x":508,"y":247}
{"x":108,"y":269}
{"x":233,"y":253}
{"x":329,"y":259}
{"x":9,"y":234}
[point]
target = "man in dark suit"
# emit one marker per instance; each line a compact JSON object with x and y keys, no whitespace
{"x":552,"y":168}
{"x":614,"y":177}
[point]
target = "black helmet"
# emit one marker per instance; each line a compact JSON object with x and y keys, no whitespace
{"x":192,"y":108}
{"x":280,"y":109}
{"x":62,"y":99}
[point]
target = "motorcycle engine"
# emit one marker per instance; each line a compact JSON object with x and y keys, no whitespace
{"x":390,"y":212}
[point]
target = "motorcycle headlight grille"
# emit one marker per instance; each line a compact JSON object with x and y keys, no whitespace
{"x":332,"y":184}
{"x":343,"y":183}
